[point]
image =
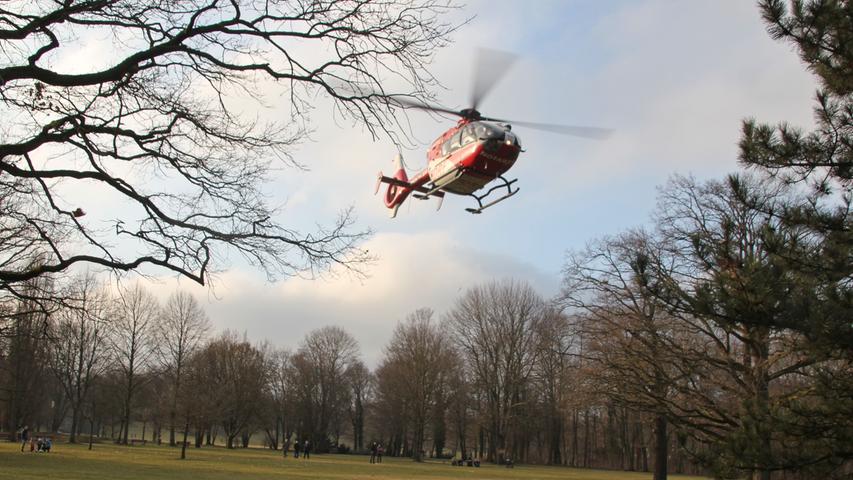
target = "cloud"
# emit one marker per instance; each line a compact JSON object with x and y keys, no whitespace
{"x":429,"y":269}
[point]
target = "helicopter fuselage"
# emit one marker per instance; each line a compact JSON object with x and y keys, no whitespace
{"x":469,"y":156}
{"x":462,"y":161}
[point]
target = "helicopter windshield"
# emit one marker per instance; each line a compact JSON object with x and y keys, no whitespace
{"x":478,"y":131}
{"x":488,"y":131}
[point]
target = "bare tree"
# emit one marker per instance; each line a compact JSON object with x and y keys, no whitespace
{"x":279,"y":401}
{"x":393,"y":412}
{"x":613,"y":288}
{"x":231,"y":374}
{"x":79,"y":345}
{"x":23,"y":380}
{"x":419,"y":351}
{"x":494,"y":327}
{"x":182,"y":331}
{"x":552,"y":377}
{"x":154,"y":126}
{"x":322,"y":362}
{"x":360,"y":383}
{"x":134,"y":322}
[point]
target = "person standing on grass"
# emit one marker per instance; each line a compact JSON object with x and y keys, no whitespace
{"x":25,"y":435}
{"x":306,"y":450}
{"x":379,"y":451}
{"x":296,"y":448}
{"x":373,"y":448}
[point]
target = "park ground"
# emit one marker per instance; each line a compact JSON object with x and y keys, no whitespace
{"x":74,"y":462}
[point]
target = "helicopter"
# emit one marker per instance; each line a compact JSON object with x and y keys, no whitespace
{"x":472,"y":154}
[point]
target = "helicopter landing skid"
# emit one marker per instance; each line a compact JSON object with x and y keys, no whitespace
{"x":427,"y":196}
{"x":479,"y":198}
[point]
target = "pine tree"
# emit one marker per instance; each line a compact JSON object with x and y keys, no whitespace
{"x":819,"y":265}
{"x":822,"y":32}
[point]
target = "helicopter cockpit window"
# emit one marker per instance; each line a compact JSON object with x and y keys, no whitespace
{"x":469,"y":134}
{"x":455,"y":141}
{"x":488,"y":131}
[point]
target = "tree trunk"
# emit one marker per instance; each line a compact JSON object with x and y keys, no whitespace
{"x":661,"y":448}
{"x":91,"y":426}
{"x":184,"y":443}
{"x":75,"y":422}
{"x":586,"y":452}
{"x":575,"y":418}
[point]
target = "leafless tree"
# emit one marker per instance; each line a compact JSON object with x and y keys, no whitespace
{"x":231,"y":374}
{"x":322,"y":362}
{"x":183,"y":328}
{"x":79,"y":349}
{"x":494,"y":327}
{"x":420,"y":352}
{"x":613,"y":288}
{"x":24,"y":341}
{"x":361,"y":384}
{"x":161,"y":126}
{"x":553,"y":378}
{"x":133,"y":325}
{"x":280,"y":403}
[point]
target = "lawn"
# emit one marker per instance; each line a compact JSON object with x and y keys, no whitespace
{"x":151,"y":462}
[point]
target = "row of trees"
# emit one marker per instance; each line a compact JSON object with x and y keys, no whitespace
{"x":96,"y":353}
{"x":495,"y":378}
{"x":655,"y":333}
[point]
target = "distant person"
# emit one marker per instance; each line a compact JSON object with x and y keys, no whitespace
{"x":373,"y":448}
{"x":47,"y":444}
{"x":379,"y":451}
{"x":296,"y":448}
{"x":306,"y":450}
{"x":25,"y":436}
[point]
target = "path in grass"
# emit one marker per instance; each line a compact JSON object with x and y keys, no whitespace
{"x":75,"y":462}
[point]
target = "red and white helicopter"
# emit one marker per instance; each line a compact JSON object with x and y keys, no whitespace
{"x":472,"y":154}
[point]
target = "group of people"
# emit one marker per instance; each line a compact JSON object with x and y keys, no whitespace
{"x":305,"y":448}
{"x":376,"y":451}
{"x":40,"y":444}
{"x":470,"y":461}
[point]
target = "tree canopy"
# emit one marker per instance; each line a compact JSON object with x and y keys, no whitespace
{"x":127,"y":142}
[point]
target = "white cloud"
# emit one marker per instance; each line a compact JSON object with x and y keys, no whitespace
{"x":423,"y":270}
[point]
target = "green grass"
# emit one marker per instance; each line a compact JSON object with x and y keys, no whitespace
{"x":151,"y":462}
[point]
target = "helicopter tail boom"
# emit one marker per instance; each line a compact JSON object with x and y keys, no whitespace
{"x":399,"y":186}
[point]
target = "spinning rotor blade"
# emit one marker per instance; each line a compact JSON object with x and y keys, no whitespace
{"x":573,"y":130}
{"x":491,"y":66}
{"x":411,"y":103}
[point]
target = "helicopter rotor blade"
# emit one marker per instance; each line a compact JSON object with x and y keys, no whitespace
{"x":412,"y":103}
{"x":491,"y":66}
{"x":595,"y":133}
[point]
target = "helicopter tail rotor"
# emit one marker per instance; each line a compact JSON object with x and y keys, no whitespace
{"x":395,"y":193}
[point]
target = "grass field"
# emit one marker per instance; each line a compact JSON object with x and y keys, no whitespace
{"x":74,"y":462}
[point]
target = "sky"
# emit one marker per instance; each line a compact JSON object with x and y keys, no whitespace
{"x":673,"y":79}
